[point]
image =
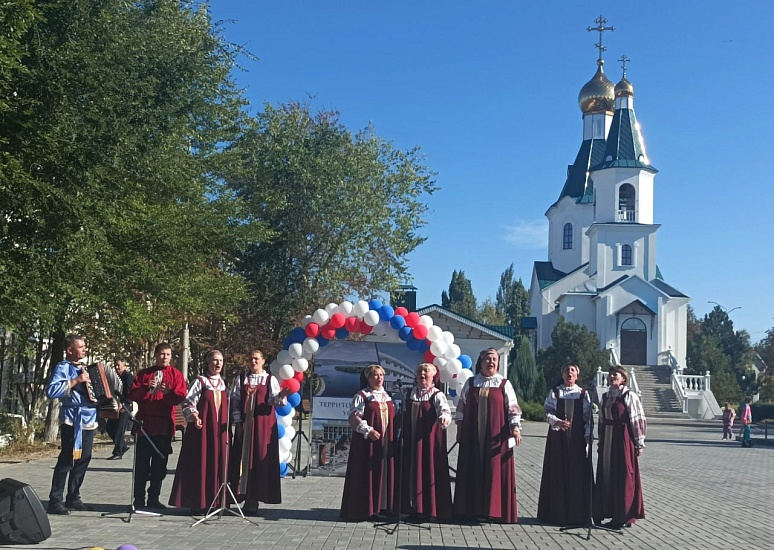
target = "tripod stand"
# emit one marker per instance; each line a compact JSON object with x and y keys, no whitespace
{"x":224,"y":491}
{"x":403,"y":393}
{"x":131,"y":509}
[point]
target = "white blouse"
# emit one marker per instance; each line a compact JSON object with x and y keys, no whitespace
{"x":214,"y":383}
{"x":357,"y":408}
{"x":440,"y":403}
{"x":568,"y":392}
{"x":481,"y":381}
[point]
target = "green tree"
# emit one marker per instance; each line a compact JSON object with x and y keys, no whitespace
{"x":490,"y":314}
{"x":460,"y":298}
{"x":343,"y":211}
{"x":527,"y":379}
{"x":512,"y":298}
{"x":571,"y":343}
{"x":15,"y":19}
{"x":765,"y":348}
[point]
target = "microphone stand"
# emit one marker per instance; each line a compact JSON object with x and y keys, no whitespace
{"x":399,"y":441}
{"x":131,"y":509}
{"x":224,"y":491}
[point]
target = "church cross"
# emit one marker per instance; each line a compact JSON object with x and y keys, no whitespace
{"x":600,"y":28}
{"x":623,"y":59}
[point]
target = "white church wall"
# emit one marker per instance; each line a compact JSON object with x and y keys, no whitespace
{"x":580,"y":216}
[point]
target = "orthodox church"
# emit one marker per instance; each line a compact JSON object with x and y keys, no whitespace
{"x":601,"y":270}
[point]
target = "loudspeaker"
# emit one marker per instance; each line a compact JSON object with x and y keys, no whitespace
{"x":23,"y":519}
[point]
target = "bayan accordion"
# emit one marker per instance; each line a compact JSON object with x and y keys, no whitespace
{"x":104,"y":388}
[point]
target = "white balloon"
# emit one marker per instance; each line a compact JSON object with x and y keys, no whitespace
{"x":306,"y":320}
{"x":446,"y":376}
{"x":440,"y":362}
{"x":292,"y":413}
{"x":286,"y":420}
{"x":463,"y":376}
{"x":360,"y":308}
{"x":426,"y":320}
{"x":438,"y":348}
{"x":296,"y":350}
{"x":449,"y":337}
{"x":332,"y":308}
{"x":454,"y":366}
{"x":452,"y":352}
{"x":285,"y":444}
{"x":286,"y":372}
{"x":371,"y":318}
{"x":300,"y":364}
{"x":434,"y":333}
{"x":284,"y":357}
{"x":287,"y":457}
{"x":321,"y":317}
{"x":311,"y":345}
{"x":345,"y":308}
{"x":290,"y":432}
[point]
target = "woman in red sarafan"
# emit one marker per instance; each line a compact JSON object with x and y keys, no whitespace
{"x":622,"y":427}
{"x":488,"y":422}
{"x":370,"y":482}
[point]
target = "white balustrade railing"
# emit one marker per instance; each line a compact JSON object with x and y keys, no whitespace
{"x":633,"y":385}
{"x":677,"y":386}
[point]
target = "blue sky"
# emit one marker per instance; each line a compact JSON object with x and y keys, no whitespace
{"x":489,"y":91}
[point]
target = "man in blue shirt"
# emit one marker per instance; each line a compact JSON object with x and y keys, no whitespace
{"x":78,"y":422}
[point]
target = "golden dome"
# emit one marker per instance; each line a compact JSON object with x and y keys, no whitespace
{"x":624,"y":88}
{"x":597,"y":94}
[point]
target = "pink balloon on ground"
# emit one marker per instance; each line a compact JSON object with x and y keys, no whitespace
{"x":127,"y":547}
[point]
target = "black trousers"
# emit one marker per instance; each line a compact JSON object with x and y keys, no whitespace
{"x":151,"y":466}
{"x":66,"y":465}
{"x":116,"y":429}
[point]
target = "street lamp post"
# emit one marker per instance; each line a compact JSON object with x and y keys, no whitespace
{"x":728,"y":311}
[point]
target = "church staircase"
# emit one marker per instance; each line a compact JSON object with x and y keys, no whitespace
{"x":658,"y":398}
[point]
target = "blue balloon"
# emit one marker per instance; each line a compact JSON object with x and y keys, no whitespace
{"x":453,"y":393}
{"x":374,"y":304}
{"x":425,"y":345}
{"x":283,"y":469}
{"x":342,"y":333}
{"x":297,"y":335}
{"x":286,"y":342}
{"x":397,"y":322}
{"x":413,"y":343}
{"x":280,"y":431}
{"x":467,"y":362}
{"x":294,"y":400}
{"x":322,"y":341}
{"x":386,"y":312}
{"x":283,"y":410}
{"x":404,"y":333}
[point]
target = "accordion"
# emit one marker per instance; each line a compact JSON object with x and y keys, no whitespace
{"x":104,"y":388}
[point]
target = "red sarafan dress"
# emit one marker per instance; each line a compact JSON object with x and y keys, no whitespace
{"x":370,"y":482}
{"x":204,"y":453}
{"x":426,"y":484}
{"x":254,"y":471}
{"x":618,"y":490}
{"x":565,"y":487}
{"x":486,"y":472}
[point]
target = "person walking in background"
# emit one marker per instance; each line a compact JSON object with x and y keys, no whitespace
{"x":369,"y":486}
{"x":77,"y":423}
{"x":254,"y":466}
{"x":745,"y":414}
{"x":622,"y":428}
{"x":728,"y":422}
{"x":116,"y":427}
{"x":565,"y":488}
{"x":157,"y":390}
{"x":488,"y":422}
{"x":204,"y":454}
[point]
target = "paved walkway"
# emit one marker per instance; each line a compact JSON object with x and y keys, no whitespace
{"x":700,"y":492}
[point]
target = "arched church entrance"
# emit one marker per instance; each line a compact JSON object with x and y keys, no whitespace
{"x":634,"y":342}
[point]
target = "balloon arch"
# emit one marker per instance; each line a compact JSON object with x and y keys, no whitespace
{"x":338,"y":321}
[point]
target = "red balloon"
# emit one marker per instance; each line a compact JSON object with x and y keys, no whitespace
{"x":312,"y":330}
{"x":299,"y":376}
{"x":352,"y":324}
{"x":337,"y":320}
{"x":420,"y":332}
{"x":429,"y":357}
{"x":328,"y":332}
{"x":402,"y":311}
{"x":412,"y":320}
{"x":365,"y":328}
{"x":291,"y":383}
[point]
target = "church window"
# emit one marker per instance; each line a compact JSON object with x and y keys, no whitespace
{"x":626,"y":255}
{"x":626,"y":196}
{"x":567,"y":237}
